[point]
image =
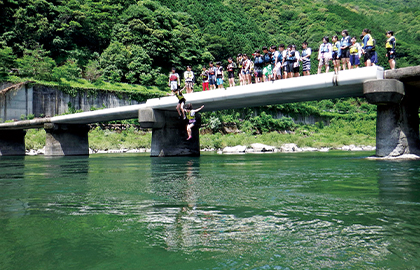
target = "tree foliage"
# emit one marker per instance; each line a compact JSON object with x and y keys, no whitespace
{"x":139,"y":41}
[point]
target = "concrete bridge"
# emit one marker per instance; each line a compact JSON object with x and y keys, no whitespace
{"x":395,"y":92}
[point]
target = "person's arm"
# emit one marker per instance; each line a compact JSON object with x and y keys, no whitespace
{"x":197,"y":110}
{"x":320,"y":52}
{"x":309,"y":51}
{"x":177,"y":78}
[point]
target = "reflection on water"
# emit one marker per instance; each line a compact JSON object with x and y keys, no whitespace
{"x":295,"y":211}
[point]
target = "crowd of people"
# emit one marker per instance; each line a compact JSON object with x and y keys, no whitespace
{"x":275,"y":63}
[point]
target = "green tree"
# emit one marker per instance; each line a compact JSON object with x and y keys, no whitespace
{"x":69,"y":71}
{"x":36,"y":64}
{"x":7,"y":61}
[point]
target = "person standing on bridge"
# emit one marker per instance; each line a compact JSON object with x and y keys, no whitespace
{"x":306,"y":59}
{"x":189,"y":80}
{"x":191,"y":118}
{"x":336,"y":53}
{"x":220,"y":76}
{"x":390,"y":48}
{"x":205,"y":78}
{"x":324,"y":54}
{"x":246,"y":69}
{"x":345,"y":52}
{"x":174,"y":82}
{"x":268,"y":69}
{"x":258,"y":66}
{"x":277,"y":61}
{"x":212,"y":75}
{"x":367,"y":48}
{"x":355,"y":53}
{"x":231,"y":72}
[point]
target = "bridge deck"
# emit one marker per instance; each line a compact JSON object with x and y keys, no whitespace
{"x":347,"y":83}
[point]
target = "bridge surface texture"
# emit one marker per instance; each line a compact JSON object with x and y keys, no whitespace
{"x":347,"y":83}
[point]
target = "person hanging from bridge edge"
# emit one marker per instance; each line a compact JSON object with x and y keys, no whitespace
{"x":174,"y":82}
{"x":181,"y":102}
{"x":190,"y":113}
{"x":390,"y":48}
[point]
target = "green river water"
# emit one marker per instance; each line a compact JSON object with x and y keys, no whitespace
{"x":333,"y":210}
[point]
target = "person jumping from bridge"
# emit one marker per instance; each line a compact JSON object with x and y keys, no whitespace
{"x":190,"y":112}
{"x":181,"y":101}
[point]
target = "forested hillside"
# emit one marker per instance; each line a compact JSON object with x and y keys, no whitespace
{"x":139,"y":41}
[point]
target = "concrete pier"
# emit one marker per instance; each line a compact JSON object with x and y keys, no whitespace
{"x":397,"y":124}
{"x":169,"y":133}
{"x":12,"y":142}
{"x":66,"y":140}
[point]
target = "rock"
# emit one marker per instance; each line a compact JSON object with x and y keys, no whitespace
{"x":325,"y":149}
{"x":402,"y":157}
{"x":289,"y":147}
{"x":259,"y":147}
{"x":131,"y":151}
{"x":234,"y":150}
{"x":309,"y":149}
{"x":41,"y":151}
{"x":345,"y":148}
{"x":31,"y":152}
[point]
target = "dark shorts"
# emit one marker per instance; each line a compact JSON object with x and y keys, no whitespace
{"x":390,"y":55}
{"x":288,"y":67}
{"x":231,"y":75}
{"x":296,"y":69}
{"x":212,"y":79}
{"x":335,"y":55}
{"x":345,"y":53}
{"x":368,"y":54}
{"x":182,"y":101}
{"x":354,"y":60}
{"x":258,"y":72}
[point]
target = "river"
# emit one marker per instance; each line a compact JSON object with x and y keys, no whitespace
{"x":333,"y":210}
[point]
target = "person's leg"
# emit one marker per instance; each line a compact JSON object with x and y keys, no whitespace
{"x":189,"y":132}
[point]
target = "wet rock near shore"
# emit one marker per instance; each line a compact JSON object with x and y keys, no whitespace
{"x":288,"y":148}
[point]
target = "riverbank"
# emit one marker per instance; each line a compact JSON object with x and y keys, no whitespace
{"x":134,"y":140}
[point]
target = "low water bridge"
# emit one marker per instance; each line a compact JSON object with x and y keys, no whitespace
{"x":395,"y":92}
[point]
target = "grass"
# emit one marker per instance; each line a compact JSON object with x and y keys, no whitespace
{"x":133,"y":139}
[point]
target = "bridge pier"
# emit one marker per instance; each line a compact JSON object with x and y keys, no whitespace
{"x":169,"y":133}
{"x":12,"y":142}
{"x":66,"y":140}
{"x":397,"y":124}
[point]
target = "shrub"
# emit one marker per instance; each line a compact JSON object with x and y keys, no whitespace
{"x":69,"y":71}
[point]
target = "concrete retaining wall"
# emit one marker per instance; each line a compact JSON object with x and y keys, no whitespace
{"x":46,"y":101}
